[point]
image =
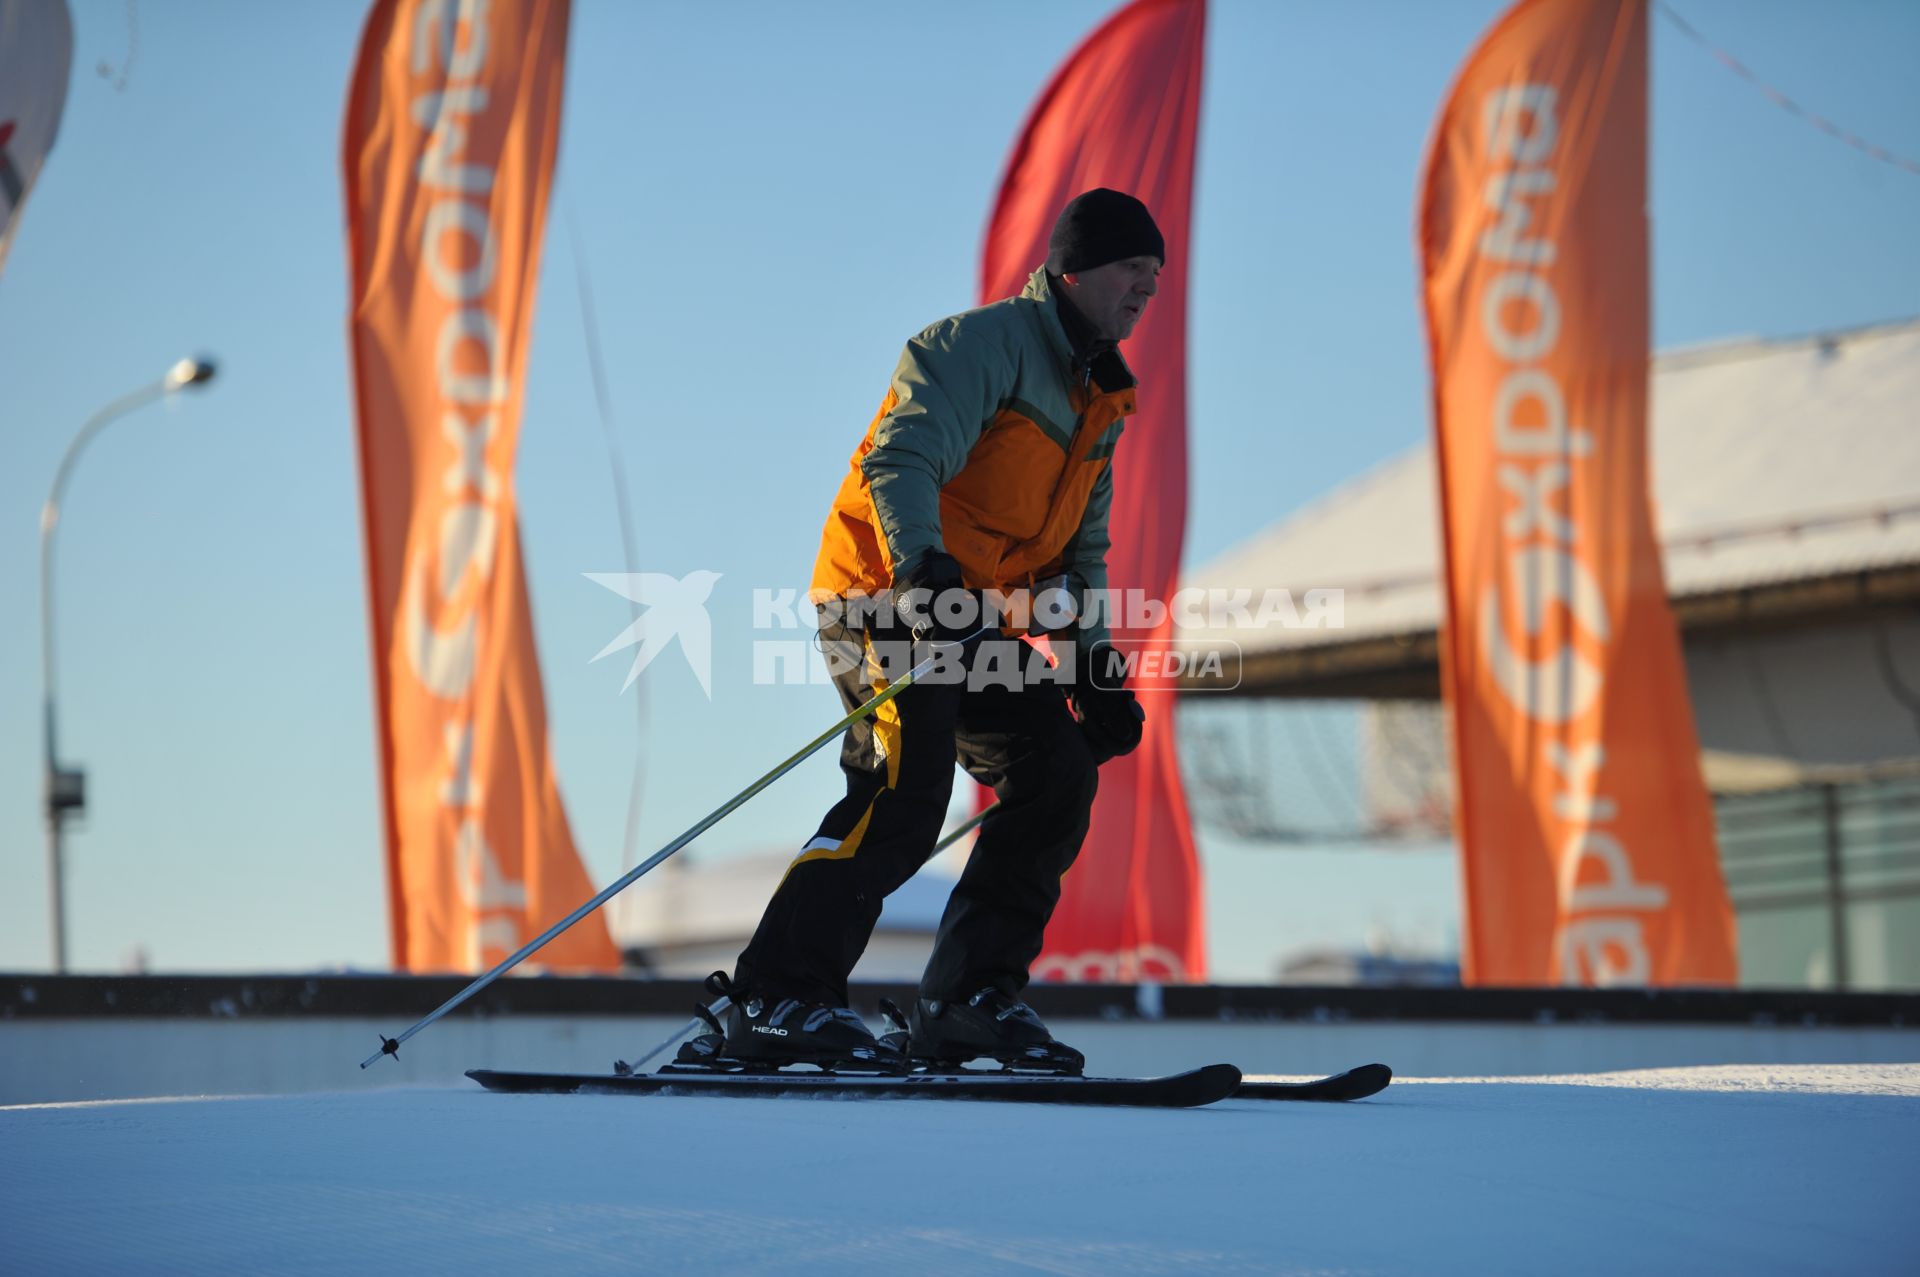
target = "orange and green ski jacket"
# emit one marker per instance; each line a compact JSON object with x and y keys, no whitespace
{"x":989,"y":447}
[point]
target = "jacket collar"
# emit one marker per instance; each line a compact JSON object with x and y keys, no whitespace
{"x":1073,"y":338}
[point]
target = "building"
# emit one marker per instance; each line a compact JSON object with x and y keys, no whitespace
{"x":1786,"y":481}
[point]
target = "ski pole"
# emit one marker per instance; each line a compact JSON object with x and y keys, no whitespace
{"x":720,"y":1004}
{"x":391,"y":1046}
{"x":965,"y":827}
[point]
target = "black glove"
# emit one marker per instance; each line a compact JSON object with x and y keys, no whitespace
{"x":1110,"y":716}
{"x":920,"y":581}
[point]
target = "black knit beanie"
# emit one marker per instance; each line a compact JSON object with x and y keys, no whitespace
{"x":1099,"y":227}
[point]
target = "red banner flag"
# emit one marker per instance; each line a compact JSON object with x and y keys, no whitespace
{"x":1586,"y":834}
{"x":452,"y":123}
{"x":1124,"y":112}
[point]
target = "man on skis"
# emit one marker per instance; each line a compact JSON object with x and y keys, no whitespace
{"x":987,"y":469}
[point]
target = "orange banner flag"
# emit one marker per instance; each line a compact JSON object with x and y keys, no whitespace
{"x":453,"y":119}
{"x":1586,"y":833}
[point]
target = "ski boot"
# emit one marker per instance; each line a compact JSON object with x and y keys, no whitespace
{"x":761,"y":1036}
{"x":992,"y":1024}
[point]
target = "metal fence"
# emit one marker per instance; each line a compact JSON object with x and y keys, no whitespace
{"x":1826,"y":882}
{"x":1824,"y":876}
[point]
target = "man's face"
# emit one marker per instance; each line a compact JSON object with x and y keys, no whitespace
{"x":1114,"y":296}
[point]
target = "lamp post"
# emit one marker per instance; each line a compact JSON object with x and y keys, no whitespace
{"x":66,"y":787}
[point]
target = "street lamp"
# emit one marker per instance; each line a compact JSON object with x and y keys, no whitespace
{"x":66,"y":787}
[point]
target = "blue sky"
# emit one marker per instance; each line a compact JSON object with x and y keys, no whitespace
{"x":770,"y":198}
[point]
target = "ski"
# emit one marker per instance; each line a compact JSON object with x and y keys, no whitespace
{"x":1354,"y":1084}
{"x":1179,"y":1090}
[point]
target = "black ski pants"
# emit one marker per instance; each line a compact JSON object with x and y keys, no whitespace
{"x":1019,"y":740}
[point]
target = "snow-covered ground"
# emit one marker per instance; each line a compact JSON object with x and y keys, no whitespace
{"x":1744,"y":1169}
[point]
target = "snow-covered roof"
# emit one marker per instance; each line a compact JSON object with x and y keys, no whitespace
{"x":1773,"y":462}
{"x":1745,"y":1168}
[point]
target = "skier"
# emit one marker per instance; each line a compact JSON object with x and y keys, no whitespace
{"x":988,"y":468}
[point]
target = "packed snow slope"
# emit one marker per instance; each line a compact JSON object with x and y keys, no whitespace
{"x":1750,"y":1169}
